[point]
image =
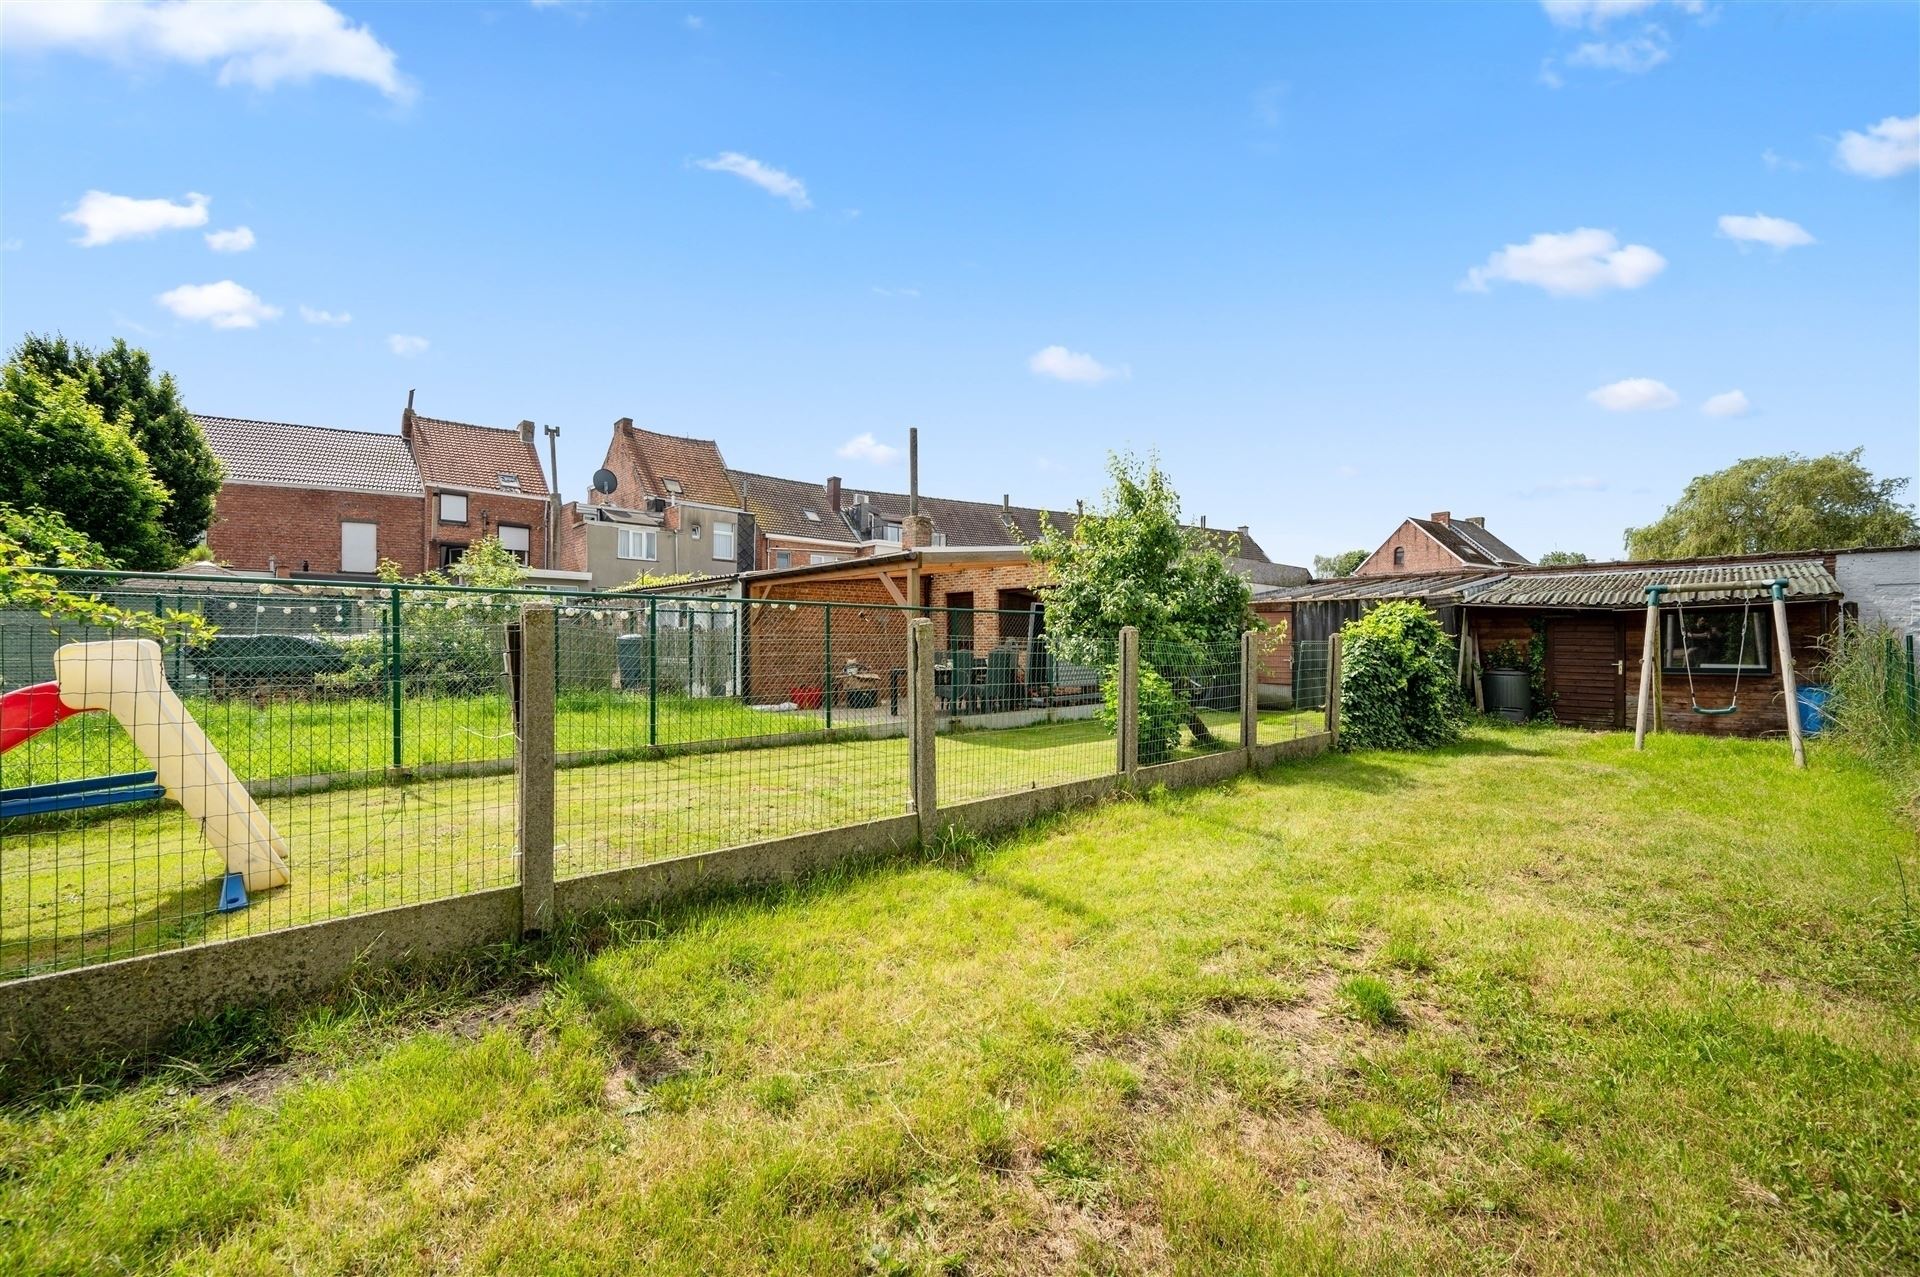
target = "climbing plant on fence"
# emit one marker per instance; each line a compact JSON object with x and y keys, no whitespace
{"x":1397,"y":688}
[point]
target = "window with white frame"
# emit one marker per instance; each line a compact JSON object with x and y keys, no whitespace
{"x":453,"y":507}
{"x":638,"y":543}
{"x":891,"y":532}
{"x":783,"y":558}
{"x":828,"y":558}
{"x":723,"y":541}
{"x":516,"y":540}
{"x":359,"y":546}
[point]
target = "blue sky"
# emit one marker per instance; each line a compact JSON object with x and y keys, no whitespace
{"x":1337,"y":264}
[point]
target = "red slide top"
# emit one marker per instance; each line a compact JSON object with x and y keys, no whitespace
{"x":28,"y":711}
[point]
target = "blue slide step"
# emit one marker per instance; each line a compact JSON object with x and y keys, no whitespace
{"x":72,"y":795}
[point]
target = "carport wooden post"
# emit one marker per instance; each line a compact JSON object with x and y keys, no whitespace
{"x":1333,"y":690}
{"x":1649,"y":651}
{"x":1249,"y":694}
{"x":533,"y":766}
{"x":1127,"y":729}
{"x":1788,"y":683}
{"x":920,"y":725}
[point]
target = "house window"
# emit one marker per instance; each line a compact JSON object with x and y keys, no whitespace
{"x":813,"y":516}
{"x":1715,"y":642}
{"x":450,"y":552}
{"x":510,"y":482}
{"x":939,"y":538}
{"x":1399,"y":556}
{"x":826,"y":558}
{"x":453,"y":507}
{"x":359,"y":546}
{"x":783,"y":558}
{"x":673,"y":486}
{"x":515,"y":540}
{"x":638,"y":543}
{"x":723,"y":541}
{"x":890,"y":533}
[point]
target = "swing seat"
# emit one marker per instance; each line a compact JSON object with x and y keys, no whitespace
{"x":1716,"y":711}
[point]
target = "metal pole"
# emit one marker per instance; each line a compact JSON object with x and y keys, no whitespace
{"x":393,"y":675}
{"x":826,"y":682}
{"x":1787,"y":682}
{"x":1649,"y":651}
{"x":653,"y":673}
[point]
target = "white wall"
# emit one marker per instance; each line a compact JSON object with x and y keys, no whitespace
{"x":1883,"y":584}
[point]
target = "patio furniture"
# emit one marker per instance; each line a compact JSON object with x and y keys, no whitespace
{"x":1001,"y":670}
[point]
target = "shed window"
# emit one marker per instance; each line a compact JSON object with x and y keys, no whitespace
{"x":1715,"y":640}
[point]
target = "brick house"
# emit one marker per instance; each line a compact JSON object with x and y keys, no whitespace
{"x":1440,"y":543}
{"x":673,"y":510}
{"x":314,"y":500}
{"x":479,"y":481}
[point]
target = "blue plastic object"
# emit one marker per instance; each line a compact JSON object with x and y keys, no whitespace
{"x":1813,"y":708}
{"x":233,"y":893}
{"x":73,"y":795}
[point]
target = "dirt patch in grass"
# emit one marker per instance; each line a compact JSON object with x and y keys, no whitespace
{"x":644,"y":1057}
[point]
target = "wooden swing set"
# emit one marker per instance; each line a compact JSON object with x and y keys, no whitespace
{"x":1776,"y":589}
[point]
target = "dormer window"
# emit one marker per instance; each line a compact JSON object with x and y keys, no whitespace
{"x":510,"y":483}
{"x":673,"y":486}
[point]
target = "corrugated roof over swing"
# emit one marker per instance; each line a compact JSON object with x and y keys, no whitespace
{"x":1627,"y":587}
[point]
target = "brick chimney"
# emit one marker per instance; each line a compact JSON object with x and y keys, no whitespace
{"x":406,"y":418}
{"x":833,"y":493}
{"x":1442,"y":517}
{"x":526,"y":432}
{"x":1241,"y":532}
{"x":1203,"y":523}
{"x":1006,"y":501}
{"x":916,"y":530}
{"x":1478,"y":520}
{"x":625,"y":423}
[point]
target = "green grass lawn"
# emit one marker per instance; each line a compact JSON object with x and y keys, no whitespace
{"x":1531,"y":1002}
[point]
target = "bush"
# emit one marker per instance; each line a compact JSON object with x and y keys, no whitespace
{"x":1397,"y":688}
{"x":1162,"y":713}
{"x":1871,"y":695}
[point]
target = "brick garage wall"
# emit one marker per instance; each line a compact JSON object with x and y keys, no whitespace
{"x":1424,"y":554}
{"x":1762,"y":709}
{"x":786,"y":647}
{"x":984,"y":584}
{"x":486,"y":511}
{"x":254,"y":525}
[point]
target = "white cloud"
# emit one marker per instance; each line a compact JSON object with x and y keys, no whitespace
{"x":259,"y":43}
{"x":1731,"y":403}
{"x":1071,"y":365}
{"x":1576,"y":263}
{"x":1635,"y":394}
{"x":224,"y":305}
{"x":1887,"y":149}
{"x":407,"y":346}
{"x":896,"y":292}
{"x":104,"y":218}
{"x":864,"y":447}
{"x":313,"y":315}
{"x":1635,"y":56}
{"x":1778,"y":162}
{"x":1592,"y":13}
{"x":12,"y":245}
{"x":1548,"y":76}
{"x":769,"y":179}
{"x":694,"y":22}
{"x":237,"y":240}
{"x":1776,"y":233}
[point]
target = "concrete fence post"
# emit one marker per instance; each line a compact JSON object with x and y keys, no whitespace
{"x":920,"y":726}
{"x":1127,"y":731}
{"x":1333,"y":691}
{"x":533,"y":764}
{"x":1249,"y":694}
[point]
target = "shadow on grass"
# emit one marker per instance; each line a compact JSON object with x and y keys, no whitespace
{"x":175,"y":921}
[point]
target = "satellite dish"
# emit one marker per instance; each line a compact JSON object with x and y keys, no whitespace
{"x":605,"y":481}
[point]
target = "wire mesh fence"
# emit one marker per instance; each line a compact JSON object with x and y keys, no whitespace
{"x":340,"y":748}
{"x":691,"y":725}
{"x":1014,"y":713}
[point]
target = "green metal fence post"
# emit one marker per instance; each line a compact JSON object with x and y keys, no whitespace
{"x":653,"y":673}
{"x":826,"y":681}
{"x":393,"y":675}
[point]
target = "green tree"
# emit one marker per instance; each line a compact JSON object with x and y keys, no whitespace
{"x":1397,"y":689}
{"x":1768,"y":504}
{"x":1341,"y":564}
{"x":1131,"y":562}
{"x":59,"y":453}
{"x":32,"y":539}
{"x":1562,"y":558}
{"x":120,"y":381}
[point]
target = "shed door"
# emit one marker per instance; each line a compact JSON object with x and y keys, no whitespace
{"x":1586,"y":671}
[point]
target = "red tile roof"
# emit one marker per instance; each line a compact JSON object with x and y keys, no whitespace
{"x":644,"y":460}
{"x":456,"y":454}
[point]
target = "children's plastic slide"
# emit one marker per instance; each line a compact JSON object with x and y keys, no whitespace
{"x":125,"y":678}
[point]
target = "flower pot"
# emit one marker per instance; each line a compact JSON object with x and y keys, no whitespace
{"x":1506,"y":693}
